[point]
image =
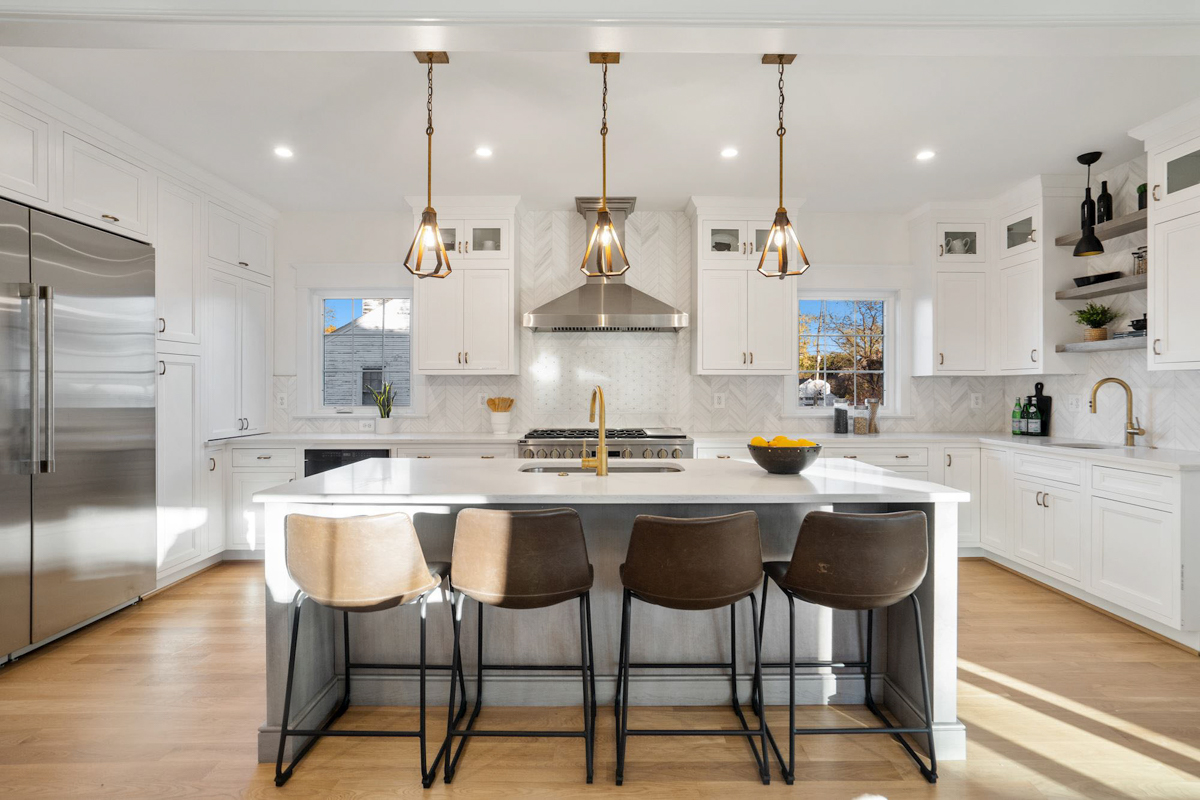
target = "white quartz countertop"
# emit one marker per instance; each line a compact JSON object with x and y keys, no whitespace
{"x":379,"y":440}
{"x":475,"y":481}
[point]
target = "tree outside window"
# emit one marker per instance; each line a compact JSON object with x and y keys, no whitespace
{"x":841,"y":351}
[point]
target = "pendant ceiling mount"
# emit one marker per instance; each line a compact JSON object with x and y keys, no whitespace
{"x":428,"y":241}
{"x":782,"y":233}
{"x":604,"y":239}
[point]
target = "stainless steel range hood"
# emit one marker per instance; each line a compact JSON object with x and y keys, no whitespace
{"x":605,"y":304}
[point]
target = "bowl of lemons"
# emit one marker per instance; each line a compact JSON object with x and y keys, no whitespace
{"x":784,"y":456}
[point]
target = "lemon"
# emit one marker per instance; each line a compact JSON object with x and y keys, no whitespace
{"x":781,"y":441}
{"x":804,"y":443}
{"x":759,"y":441}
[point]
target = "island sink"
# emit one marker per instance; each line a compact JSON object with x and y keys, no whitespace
{"x":576,"y":469}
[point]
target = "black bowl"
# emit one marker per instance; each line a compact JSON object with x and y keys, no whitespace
{"x":1088,"y":280}
{"x":784,"y":460}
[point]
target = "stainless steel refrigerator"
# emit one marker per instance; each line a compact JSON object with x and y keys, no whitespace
{"x":77,"y":432}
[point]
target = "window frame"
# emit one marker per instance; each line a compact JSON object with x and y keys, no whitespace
{"x":894,"y":365}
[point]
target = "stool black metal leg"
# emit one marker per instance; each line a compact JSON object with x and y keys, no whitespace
{"x":623,"y":678}
{"x":462,"y":682}
{"x":868,"y":669}
{"x":790,"y":776}
{"x":620,"y":671}
{"x":281,"y":776}
{"x":426,"y":773}
{"x":455,"y":669}
{"x":930,"y":773}
{"x":737,"y":706}
{"x":346,"y":663}
{"x":587,"y":602}
{"x":764,"y":763}
{"x":756,"y":700}
{"x":583,"y":673}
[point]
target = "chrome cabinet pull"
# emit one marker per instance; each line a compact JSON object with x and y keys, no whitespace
{"x":47,"y":293}
{"x":111,"y":218}
{"x":1154,"y":193}
{"x":212,"y":464}
{"x":1038,"y":498}
{"x":1033,"y":355}
{"x":1157,"y":352}
{"x":162,"y":368}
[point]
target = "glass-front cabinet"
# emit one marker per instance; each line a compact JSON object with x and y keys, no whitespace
{"x":739,"y":240}
{"x":475,"y":239}
{"x":1176,"y":174}
{"x":1019,"y":232}
{"x":961,"y":243}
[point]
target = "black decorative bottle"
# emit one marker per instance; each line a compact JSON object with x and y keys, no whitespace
{"x":1104,"y":204}
{"x":1087,"y":210}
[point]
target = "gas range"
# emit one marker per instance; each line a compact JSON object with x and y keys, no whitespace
{"x":620,"y":442}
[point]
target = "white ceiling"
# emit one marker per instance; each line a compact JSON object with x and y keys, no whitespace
{"x":356,"y":121}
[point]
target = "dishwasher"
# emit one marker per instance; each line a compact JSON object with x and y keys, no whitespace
{"x":318,"y":461}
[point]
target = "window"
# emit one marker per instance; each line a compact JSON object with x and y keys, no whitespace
{"x":365,"y":343}
{"x":844,"y":346}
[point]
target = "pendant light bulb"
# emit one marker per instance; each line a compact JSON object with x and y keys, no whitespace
{"x":428,"y":241}
{"x":604,"y":236}
{"x":782,"y":231}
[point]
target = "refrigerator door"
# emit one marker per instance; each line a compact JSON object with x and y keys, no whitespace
{"x":94,"y":501}
{"x":17,"y":307}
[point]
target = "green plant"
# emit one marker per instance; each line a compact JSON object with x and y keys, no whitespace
{"x":1095,"y":315}
{"x":383,"y":399}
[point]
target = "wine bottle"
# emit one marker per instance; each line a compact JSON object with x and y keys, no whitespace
{"x":1033,"y":425}
{"x":1087,"y":210}
{"x":1018,"y":424}
{"x":1104,"y":204}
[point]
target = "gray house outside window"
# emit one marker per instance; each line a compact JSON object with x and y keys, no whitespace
{"x":373,"y":348}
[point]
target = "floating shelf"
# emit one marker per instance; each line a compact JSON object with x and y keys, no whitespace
{"x":1121,"y":226}
{"x":1129,"y":343}
{"x":1130,"y":283}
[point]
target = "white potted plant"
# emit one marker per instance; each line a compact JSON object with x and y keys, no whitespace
{"x":384,"y":423}
{"x":501,"y":413}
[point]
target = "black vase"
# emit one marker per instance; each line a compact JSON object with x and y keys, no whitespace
{"x":1104,"y":204}
{"x":1087,"y":210}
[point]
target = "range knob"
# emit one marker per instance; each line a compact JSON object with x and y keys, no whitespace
{"x":568,"y":453}
{"x":554,"y":452}
{"x":541,"y":453}
{"x":676,"y":453}
{"x":662,"y":453}
{"x":626,"y":453}
{"x":527,"y":453}
{"x":647,"y":453}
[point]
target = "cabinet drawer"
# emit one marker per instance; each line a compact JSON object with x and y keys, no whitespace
{"x":1051,"y":469}
{"x":455,"y":451}
{"x":1133,"y":485}
{"x":264,"y":457}
{"x":737,"y":452}
{"x":882,"y":456}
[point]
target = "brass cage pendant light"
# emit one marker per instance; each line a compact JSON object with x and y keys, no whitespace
{"x":782,"y":231}
{"x":428,"y":240}
{"x":604,"y":239}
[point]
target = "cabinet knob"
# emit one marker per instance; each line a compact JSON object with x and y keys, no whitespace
{"x":111,"y":218}
{"x":1154,"y":193}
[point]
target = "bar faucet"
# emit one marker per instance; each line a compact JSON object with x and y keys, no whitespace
{"x":600,"y":462}
{"x":1133,"y":426}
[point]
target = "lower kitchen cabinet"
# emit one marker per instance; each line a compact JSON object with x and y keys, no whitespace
{"x":993,"y":501}
{"x":1047,"y":527}
{"x":181,"y":508}
{"x":213,"y":479}
{"x":245,"y":519}
{"x":962,"y":472}
{"x":1136,"y":558}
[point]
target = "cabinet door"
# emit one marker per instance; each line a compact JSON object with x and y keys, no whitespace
{"x":1028,"y":522}
{"x":1064,"y":531}
{"x":1175,"y":291}
{"x":770,"y":323}
{"x":723,"y":241}
{"x":1021,"y":316}
{"x":440,"y":323}
{"x":993,"y":493}
{"x":487,"y":239}
{"x":177,"y":273}
{"x":213,"y":487}
{"x":961,"y":243}
{"x":181,"y":510}
{"x":962,"y":472}
{"x":488,"y":319}
{"x":1175,"y":174}
{"x":245,"y":525}
{"x":758,"y":239}
{"x":960,"y":321}
{"x":112,"y":190}
{"x":1019,"y":234}
{"x":723,"y":319}
{"x":222,"y":411}
{"x":224,"y":235}
{"x":253,"y":248}
{"x":24,"y":153}
{"x":255,"y":356}
{"x":1135,"y":558}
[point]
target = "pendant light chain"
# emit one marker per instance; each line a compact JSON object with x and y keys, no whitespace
{"x":429,"y":134}
{"x":780,"y":131}
{"x":604,"y":140}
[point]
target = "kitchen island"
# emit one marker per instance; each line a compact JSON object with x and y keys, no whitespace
{"x":432,"y":491}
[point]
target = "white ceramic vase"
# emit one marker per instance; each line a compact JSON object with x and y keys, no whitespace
{"x":501,"y":421}
{"x":385,"y":426}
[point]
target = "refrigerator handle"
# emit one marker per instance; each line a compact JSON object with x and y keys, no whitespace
{"x":29,"y":291}
{"x":47,"y":294}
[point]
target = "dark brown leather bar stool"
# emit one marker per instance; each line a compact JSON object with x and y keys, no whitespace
{"x":853,"y":562}
{"x":692,"y":565}
{"x":521,"y":560}
{"x":358,"y":564}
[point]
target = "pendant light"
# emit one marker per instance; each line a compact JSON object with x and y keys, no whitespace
{"x":781,"y":229}
{"x":429,"y":237}
{"x":1088,"y":244}
{"x":604,"y":235}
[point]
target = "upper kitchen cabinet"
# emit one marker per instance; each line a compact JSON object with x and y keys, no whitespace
{"x":960,"y":322}
{"x":739,"y":241}
{"x":961,"y":243}
{"x":24,"y":153}
{"x":475,"y":240}
{"x":1174,"y":173}
{"x":1019,"y":232}
{"x":237,"y":348}
{"x":235,"y":240}
{"x":747,"y":324}
{"x":178,"y":275}
{"x":108,"y":189}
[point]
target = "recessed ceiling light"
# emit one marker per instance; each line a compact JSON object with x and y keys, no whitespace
{"x":283,"y":151}
{"x":925,"y":155}
{"x":483,"y":152}
{"x":729,"y":152}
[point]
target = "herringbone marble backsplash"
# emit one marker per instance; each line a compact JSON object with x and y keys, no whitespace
{"x":648,"y":380}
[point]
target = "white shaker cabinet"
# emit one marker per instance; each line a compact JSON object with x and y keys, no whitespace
{"x":245,"y":519}
{"x":181,"y":507}
{"x":178,"y":275}
{"x":722,"y":320}
{"x":213,"y":481}
{"x":238,"y":356}
{"x":1135,"y":558}
{"x":960,"y":322}
{"x":1047,"y":527}
{"x":107,"y":188}
{"x":1174,"y":288}
{"x":747,"y":323}
{"x":1020,"y":345}
{"x":466,"y":323}
{"x":237,"y":241}
{"x":962,"y":471}
{"x":993,"y":501}
{"x":24,"y":152}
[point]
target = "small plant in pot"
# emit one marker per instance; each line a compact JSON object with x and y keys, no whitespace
{"x":1095,"y":316}
{"x":384,"y":397}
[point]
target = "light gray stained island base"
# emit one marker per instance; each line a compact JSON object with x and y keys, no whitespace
{"x":550,"y":636}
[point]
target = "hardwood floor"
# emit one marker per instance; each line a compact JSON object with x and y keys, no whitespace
{"x":163,"y":700}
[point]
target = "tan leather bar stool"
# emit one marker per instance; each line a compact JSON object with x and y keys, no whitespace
{"x":521,"y":559}
{"x":357,"y":564}
{"x":692,"y":565}
{"x":853,"y":562}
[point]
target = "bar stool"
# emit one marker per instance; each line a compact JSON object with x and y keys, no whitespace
{"x":521,"y":560}
{"x":692,"y":565}
{"x":357,"y":564}
{"x":853,"y":562}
